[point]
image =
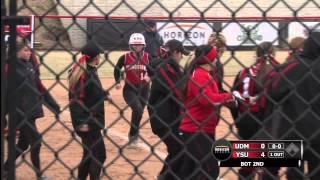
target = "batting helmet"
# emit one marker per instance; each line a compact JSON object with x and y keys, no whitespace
{"x":137,"y":38}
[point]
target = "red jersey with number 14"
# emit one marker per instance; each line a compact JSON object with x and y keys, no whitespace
{"x":136,"y":69}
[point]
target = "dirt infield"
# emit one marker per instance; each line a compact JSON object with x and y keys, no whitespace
{"x":61,"y":153}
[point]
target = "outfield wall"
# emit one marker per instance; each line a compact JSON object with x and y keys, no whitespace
{"x":148,"y":8}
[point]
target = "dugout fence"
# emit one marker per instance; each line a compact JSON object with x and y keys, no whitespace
{"x":62,"y":39}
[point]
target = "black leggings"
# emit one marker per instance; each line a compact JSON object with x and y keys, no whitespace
{"x":136,"y":97}
{"x":199,"y":163}
{"x":244,"y":121}
{"x":249,"y":119}
{"x":172,"y":164}
{"x":29,"y":137}
{"x":94,"y":155}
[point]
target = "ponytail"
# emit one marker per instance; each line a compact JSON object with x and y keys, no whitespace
{"x":77,"y":70}
{"x":267,"y":65}
{"x":188,"y":69}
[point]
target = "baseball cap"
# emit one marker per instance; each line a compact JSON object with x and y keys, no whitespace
{"x":150,"y":23}
{"x":175,"y":45}
{"x":91,"y":49}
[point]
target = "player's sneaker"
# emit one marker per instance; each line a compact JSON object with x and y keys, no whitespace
{"x":133,"y":142}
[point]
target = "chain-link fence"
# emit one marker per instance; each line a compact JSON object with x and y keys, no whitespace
{"x":144,"y":89}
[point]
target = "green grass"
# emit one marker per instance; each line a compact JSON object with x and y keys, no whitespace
{"x":58,"y":62}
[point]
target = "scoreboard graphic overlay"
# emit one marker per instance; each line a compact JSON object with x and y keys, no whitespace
{"x":256,"y":153}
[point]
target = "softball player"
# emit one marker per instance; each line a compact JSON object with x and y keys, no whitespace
{"x":136,"y":88}
{"x":31,"y":95}
{"x":294,"y":91}
{"x":199,"y":123}
{"x":249,"y":83}
{"x":86,"y":97}
{"x":165,"y":106}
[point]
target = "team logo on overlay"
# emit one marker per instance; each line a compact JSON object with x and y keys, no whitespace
{"x":222,"y":150}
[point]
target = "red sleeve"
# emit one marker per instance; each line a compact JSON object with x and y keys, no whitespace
{"x":205,"y":94}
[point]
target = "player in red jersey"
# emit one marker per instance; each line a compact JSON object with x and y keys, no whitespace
{"x":201,"y":98}
{"x":249,"y":83}
{"x":136,"y":87}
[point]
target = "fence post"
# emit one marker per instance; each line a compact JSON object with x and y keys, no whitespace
{"x":3,"y":84}
{"x":12,"y":95}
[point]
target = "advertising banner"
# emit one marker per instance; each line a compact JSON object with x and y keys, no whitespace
{"x":301,"y":29}
{"x":191,"y":34}
{"x":250,"y":33}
